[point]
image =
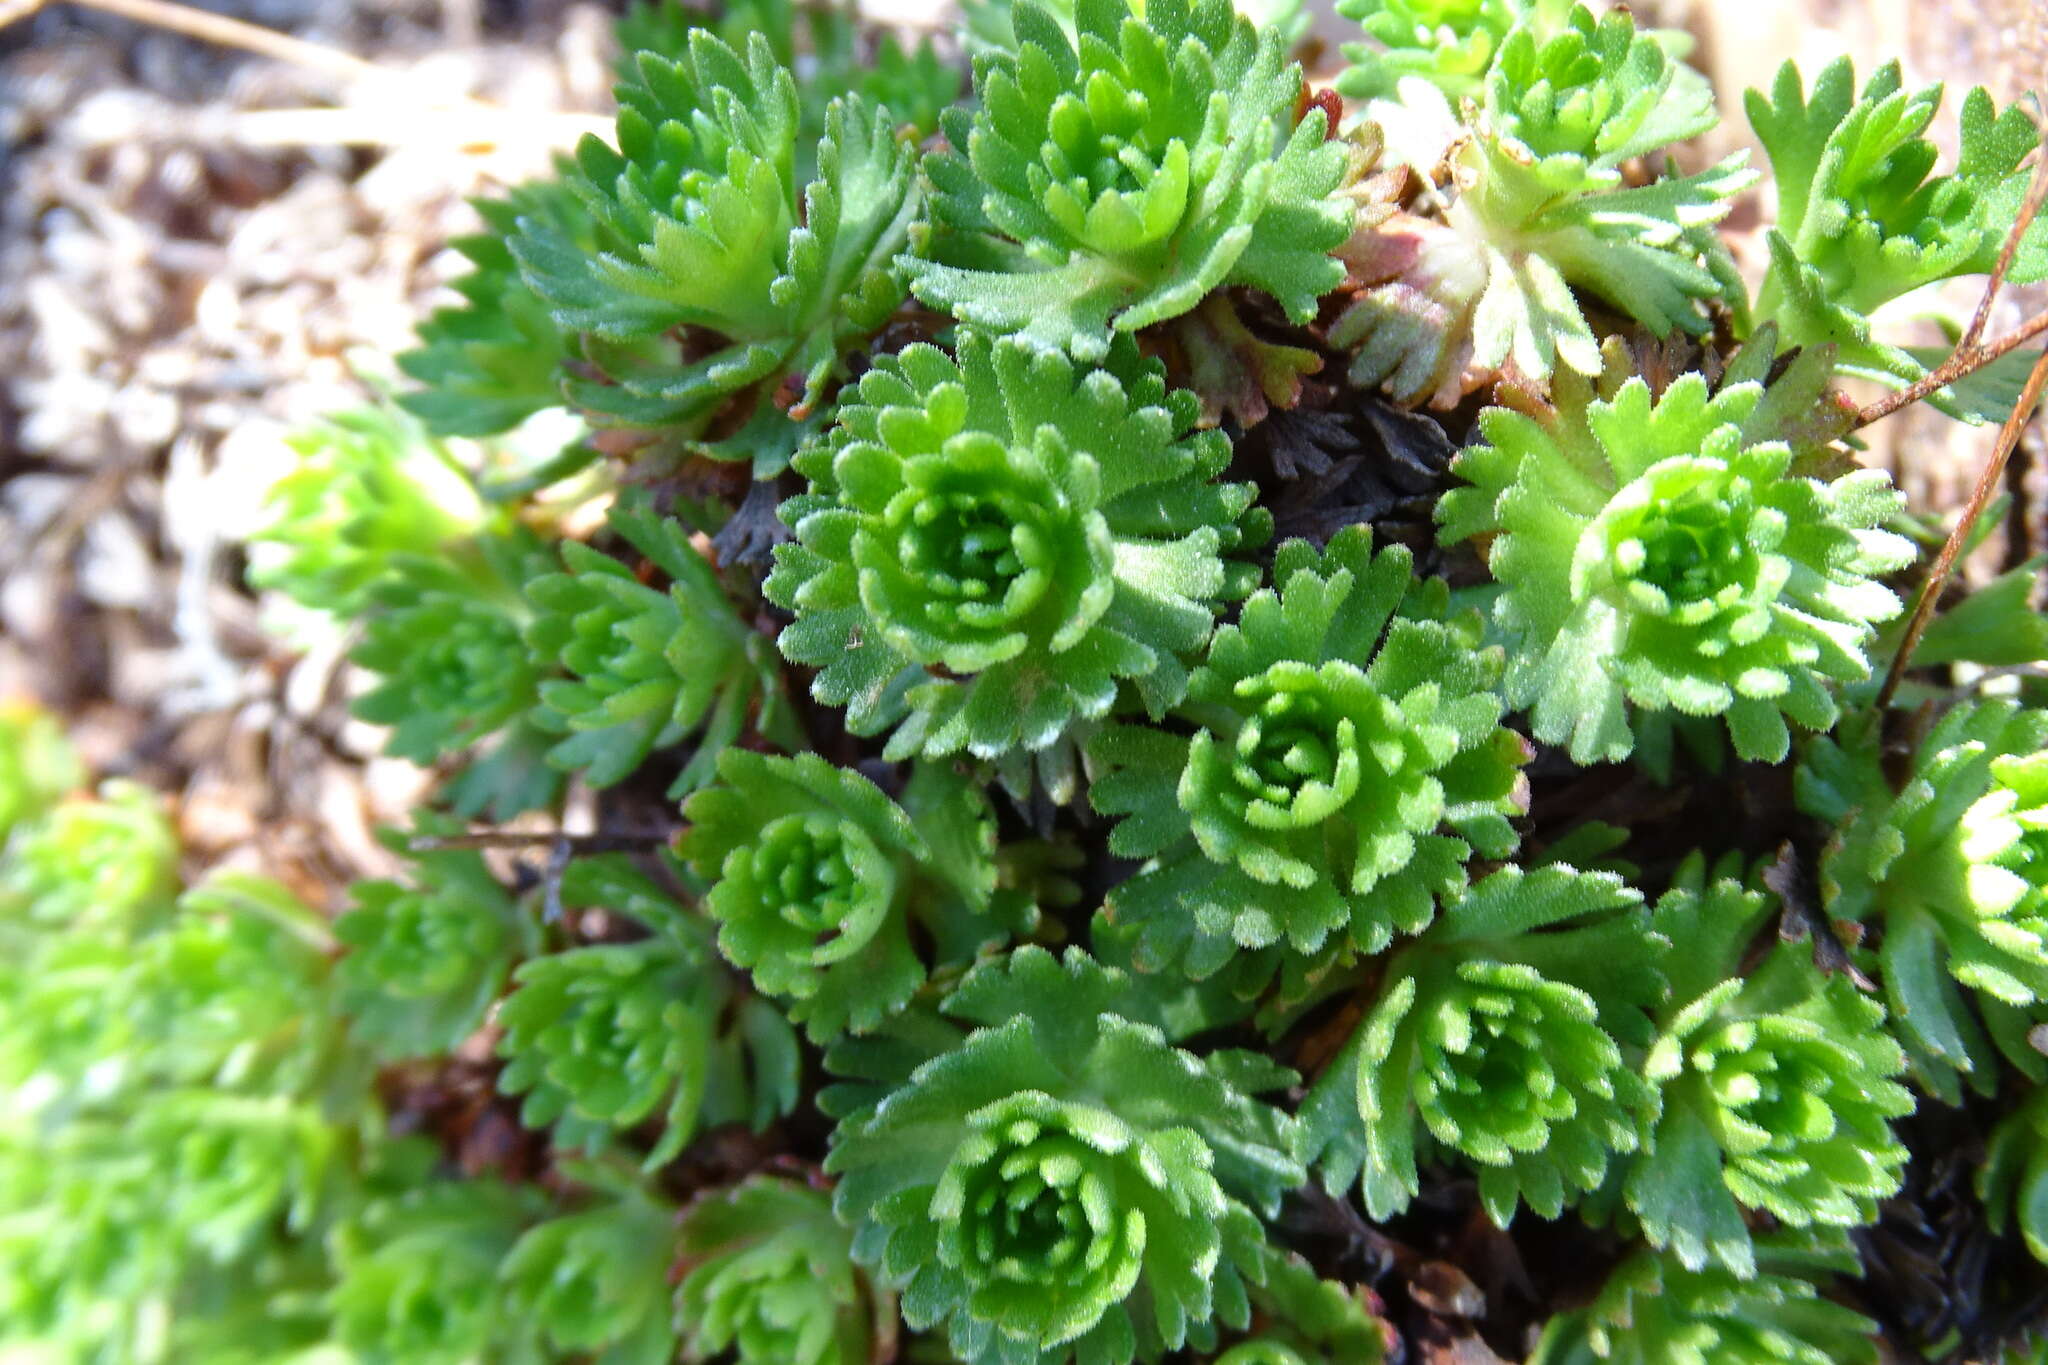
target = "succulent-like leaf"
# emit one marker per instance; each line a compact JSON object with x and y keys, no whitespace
{"x":1112,"y":176}
{"x":426,"y":960}
{"x":370,"y":488}
{"x":836,"y":51}
{"x":1346,"y":759}
{"x":771,"y":1277}
{"x":1497,"y":1033}
{"x":1777,"y":1085}
{"x":443,"y":636}
{"x":84,"y":1249}
{"x":822,"y":882}
{"x":647,"y":668}
{"x":1861,"y":217}
{"x":237,"y":1164}
{"x":1308,"y":1319}
{"x":1653,"y":1311}
{"x":236,"y":992}
{"x":417,"y":1276}
{"x":601,"y":1038}
{"x":1025,"y":571}
{"x":992,"y":544}
{"x":716,"y":272}
{"x":226,"y":991}
{"x":1449,"y":43}
{"x":592,"y":1283}
{"x":1995,"y":626}
{"x":492,"y":361}
{"x":1952,"y":866}
{"x":2013,"y":1181}
{"x":109,"y":862}
{"x":1657,"y":557}
{"x":1542,"y":209}
{"x":175,"y":1120}
{"x":1062,"y":1181}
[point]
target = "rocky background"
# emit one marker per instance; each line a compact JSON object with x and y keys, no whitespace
{"x":201,"y":249}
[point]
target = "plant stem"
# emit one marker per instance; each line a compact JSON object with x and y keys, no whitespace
{"x":219,"y":28}
{"x":1968,"y":356}
{"x":1980,"y":496}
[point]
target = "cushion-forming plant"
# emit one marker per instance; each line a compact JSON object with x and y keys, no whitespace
{"x":1653,"y":1312}
{"x":1497,"y":1034}
{"x":823,"y":887}
{"x":427,"y":960}
{"x":1538,"y":206}
{"x":647,"y":668}
{"x":1449,"y":43}
{"x":1654,"y":555}
{"x":1124,"y":711}
{"x":602,"y":1037}
{"x":1062,"y":1174}
{"x":714,"y":273}
{"x":1777,"y":1087}
{"x":1861,"y":218}
{"x":995,"y":541}
{"x":1947,"y":858}
{"x":1346,"y":759}
{"x":1109,"y":179}
{"x":772,"y":1278}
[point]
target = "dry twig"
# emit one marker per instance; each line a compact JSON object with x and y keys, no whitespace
{"x":1951,"y":550}
{"x":1969,"y":356}
{"x":219,"y":28}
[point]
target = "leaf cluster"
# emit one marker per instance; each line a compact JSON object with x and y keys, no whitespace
{"x":1863,"y":218}
{"x":1450,"y":295}
{"x":1660,"y":553}
{"x":1114,"y":173}
{"x":1039,"y":799}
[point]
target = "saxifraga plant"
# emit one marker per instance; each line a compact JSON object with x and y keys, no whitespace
{"x":1950,"y":865}
{"x":1062,"y":1178}
{"x":1110,"y":177}
{"x":1346,"y":760}
{"x":1656,"y":555}
{"x":1501,"y":1042}
{"x":821,"y":883}
{"x":1149,"y":714}
{"x":1651,"y":1310}
{"x":1450,"y":294}
{"x":997,"y":541}
{"x":771,"y":1277}
{"x":1777,"y":1085}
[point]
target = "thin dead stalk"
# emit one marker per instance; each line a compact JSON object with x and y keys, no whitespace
{"x":562,"y":849}
{"x":2030,"y":208}
{"x":1980,"y":497}
{"x":470,"y":128}
{"x":1954,"y":368}
{"x":1969,"y":355}
{"x":219,"y":28}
